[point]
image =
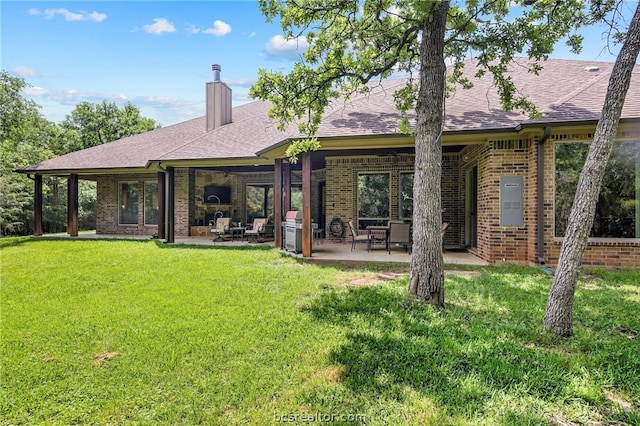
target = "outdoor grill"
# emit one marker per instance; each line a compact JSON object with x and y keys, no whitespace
{"x":293,"y":231}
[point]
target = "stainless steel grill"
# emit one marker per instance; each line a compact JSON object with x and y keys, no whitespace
{"x":293,"y":231}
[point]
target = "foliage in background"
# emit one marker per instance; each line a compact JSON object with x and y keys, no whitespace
{"x":104,"y":122}
{"x":26,"y":138}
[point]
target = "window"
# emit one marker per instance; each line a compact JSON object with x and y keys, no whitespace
{"x":406,"y":195}
{"x":128,"y":203}
{"x":151,"y":203}
{"x":618,"y":208}
{"x":259,"y":201}
{"x":373,"y":199}
{"x":296,"y":197}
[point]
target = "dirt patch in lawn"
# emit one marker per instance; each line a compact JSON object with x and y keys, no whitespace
{"x":618,"y":400}
{"x":103,"y":357}
{"x":373,"y":279}
{"x":380,"y":277}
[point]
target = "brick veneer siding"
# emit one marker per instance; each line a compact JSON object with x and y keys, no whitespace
{"x":341,"y":181}
{"x":494,"y":159}
{"x":107,"y":205}
{"x":506,"y":158}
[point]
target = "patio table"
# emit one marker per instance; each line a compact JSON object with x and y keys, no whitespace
{"x":236,"y":230}
{"x":371,"y":231}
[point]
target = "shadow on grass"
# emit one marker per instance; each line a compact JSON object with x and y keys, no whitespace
{"x":485,"y":348}
{"x":13,"y":241}
{"x":168,"y":246}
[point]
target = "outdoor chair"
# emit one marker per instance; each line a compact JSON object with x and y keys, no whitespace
{"x":443,"y":229}
{"x":221,"y":230}
{"x":400,"y":234}
{"x":356,"y":237}
{"x":257,"y":230}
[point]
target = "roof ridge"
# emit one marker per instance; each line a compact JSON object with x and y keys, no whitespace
{"x":563,"y":99}
{"x":365,"y":96}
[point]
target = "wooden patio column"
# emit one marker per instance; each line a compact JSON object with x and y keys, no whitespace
{"x":37,"y":206}
{"x":162,"y":205}
{"x":306,"y":204}
{"x":171,"y":205}
{"x":277,"y":205}
{"x":72,"y":205}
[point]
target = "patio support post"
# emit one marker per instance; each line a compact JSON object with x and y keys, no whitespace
{"x":37,"y":206}
{"x":162,"y":205}
{"x":72,"y":205}
{"x":277,"y":205}
{"x":170,"y":237}
{"x":306,"y":204}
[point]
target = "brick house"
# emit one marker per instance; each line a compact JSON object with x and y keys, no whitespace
{"x":507,"y":179}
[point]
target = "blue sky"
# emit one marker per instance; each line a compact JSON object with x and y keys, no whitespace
{"x":155,"y":54}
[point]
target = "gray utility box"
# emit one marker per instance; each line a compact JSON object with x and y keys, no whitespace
{"x":511,"y":201}
{"x":293,"y":231}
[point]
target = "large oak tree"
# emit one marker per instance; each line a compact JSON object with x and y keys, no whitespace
{"x":352,"y":42}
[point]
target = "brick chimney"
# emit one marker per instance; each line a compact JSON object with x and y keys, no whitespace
{"x":218,"y":101}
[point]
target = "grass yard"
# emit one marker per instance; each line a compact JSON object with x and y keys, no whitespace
{"x":130,"y":332}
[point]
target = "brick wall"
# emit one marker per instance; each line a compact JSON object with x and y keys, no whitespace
{"x":107,"y":205}
{"x":341,"y":180}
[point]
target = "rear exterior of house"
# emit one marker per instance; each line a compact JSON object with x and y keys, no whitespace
{"x":507,"y":181}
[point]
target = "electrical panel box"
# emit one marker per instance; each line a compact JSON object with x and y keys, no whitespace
{"x":511,"y":202}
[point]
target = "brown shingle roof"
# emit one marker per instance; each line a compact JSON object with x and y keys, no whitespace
{"x":565,"y":91}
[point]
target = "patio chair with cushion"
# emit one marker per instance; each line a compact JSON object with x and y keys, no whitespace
{"x":399,"y":234}
{"x":257,"y":230}
{"x":356,"y":237}
{"x":221,"y":231}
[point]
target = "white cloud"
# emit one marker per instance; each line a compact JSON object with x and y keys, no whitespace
{"x":70,"y":16}
{"x":24,"y":71}
{"x":252,"y":35}
{"x":219,"y":29}
{"x":280,"y":48}
{"x":159,"y":26}
{"x":192,"y":29}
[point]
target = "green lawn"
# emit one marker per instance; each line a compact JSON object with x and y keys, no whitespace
{"x":125,"y":332}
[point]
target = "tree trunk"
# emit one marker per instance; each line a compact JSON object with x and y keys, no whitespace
{"x":558,"y":317}
{"x":426,"y":280}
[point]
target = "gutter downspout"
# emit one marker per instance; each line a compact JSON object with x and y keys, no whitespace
{"x":540,"y":195}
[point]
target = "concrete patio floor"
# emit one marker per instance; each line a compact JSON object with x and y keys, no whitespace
{"x":323,"y":250}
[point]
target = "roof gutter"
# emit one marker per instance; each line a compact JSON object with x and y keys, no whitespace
{"x":540,"y":195}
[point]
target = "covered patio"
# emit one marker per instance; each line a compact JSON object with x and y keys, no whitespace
{"x":323,"y":250}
